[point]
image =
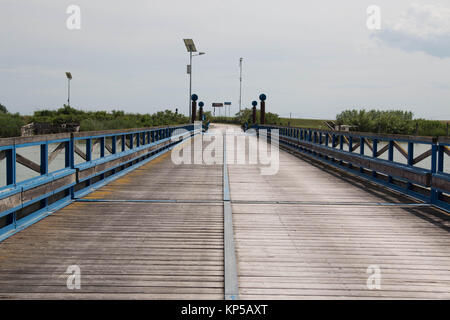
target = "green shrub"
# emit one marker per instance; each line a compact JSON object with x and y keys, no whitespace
{"x":10,"y":125}
{"x":391,"y":121}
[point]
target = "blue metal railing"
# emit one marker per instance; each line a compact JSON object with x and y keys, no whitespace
{"x":389,"y":160}
{"x":86,"y":160}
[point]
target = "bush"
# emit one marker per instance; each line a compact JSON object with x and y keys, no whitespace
{"x":392,"y":121}
{"x":10,"y":125}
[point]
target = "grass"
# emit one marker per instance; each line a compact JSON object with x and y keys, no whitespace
{"x":304,"y":123}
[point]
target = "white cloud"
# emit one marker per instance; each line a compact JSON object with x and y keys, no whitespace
{"x":423,"y":28}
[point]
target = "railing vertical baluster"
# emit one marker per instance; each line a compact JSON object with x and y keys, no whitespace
{"x":114,"y":144}
{"x":88,"y":156}
{"x":410,"y":161}
{"x":350,"y":148}
{"x":131,"y":140}
{"x":440,"y":160}
{"x":374,"y":154}
{"x":11,"y":166}
{"x":123,"y":142}
{"x":44,"y":168}
{"x":89,"y":149}
{"x":44,"y":158}
{"x":361,"y":151}
{"x":70,"y":152}
{"x":390,"y":156}
{"x":435,"y":164}
{"x":102,"y":147}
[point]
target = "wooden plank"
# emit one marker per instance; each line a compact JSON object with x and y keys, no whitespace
{"x":10,"y":202}
{"x":55,"y":152}
{"x":356,"y":146}
{"x":79,"y":152}
{"x":446,"y":150}
{"x":368,"y":144}
{"x":421,"y":157}
{"x":300,"y":251}
{"x":126,"y":249}
{"x":109,"y":148}
{"x":400,"y":149}
{"x":383,"y":150}
{"x":28,"y":163}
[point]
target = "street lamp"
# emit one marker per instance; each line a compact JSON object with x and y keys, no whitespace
{"x":190,"y":46}
{"x":69,"y":77}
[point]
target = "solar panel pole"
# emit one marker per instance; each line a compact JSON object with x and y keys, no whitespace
{"x":240,"y":83}
{"x":69,"y":77}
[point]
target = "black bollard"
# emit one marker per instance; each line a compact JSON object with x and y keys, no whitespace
{"x":200,"y":111}
{"x":254,"y":104}
{"x":262,"y":97}
{"x":194,"y":107}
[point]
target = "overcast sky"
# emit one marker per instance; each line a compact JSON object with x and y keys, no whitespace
{"x":311,"y":58}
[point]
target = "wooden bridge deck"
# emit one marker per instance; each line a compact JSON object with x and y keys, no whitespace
{"x":305,"y":232}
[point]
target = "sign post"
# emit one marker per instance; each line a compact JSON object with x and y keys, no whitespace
{"x":217,"y":105}
{"x":229,"y":108}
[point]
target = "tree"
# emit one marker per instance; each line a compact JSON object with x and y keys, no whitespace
{"x":3,"y":109}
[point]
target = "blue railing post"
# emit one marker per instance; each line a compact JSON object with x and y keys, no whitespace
{"x":44,"y":168}
{"x":374,"y":154}
{"x":11,"y":166}
{"x":361,"y":150}
{"x":114,"y":144}
{"x":88,"y":149}
{"x":70,"y":153}
{"x":131,"y":140}
{"x":123,"y":142}
{"x":410,"y":161}
{"x":44,"y":158}
{"x":102,"y":147}
{"x":435,"y":163}
{"x":350,"y":148}
{"x":390,"y":156}
{"x":440,"y":159}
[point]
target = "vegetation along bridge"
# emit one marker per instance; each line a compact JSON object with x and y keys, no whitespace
{"x":345,"y":215}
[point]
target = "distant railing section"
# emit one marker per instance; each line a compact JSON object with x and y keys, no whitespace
{"x":86,"y":160}
{"x":413,"y":165}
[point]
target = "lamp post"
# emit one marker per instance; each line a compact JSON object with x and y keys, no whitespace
{"x":69,"y":77}
{"x":190,"y":46}
{"x":240,"y":83}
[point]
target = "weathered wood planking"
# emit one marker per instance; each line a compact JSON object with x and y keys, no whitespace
{"x":318,"y":251}
{"x":126,"y":250}
{"x":162,"y":179}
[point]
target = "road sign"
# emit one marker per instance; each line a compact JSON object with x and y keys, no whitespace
{"x":217,"y":104}
{"x":227,"y":103}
